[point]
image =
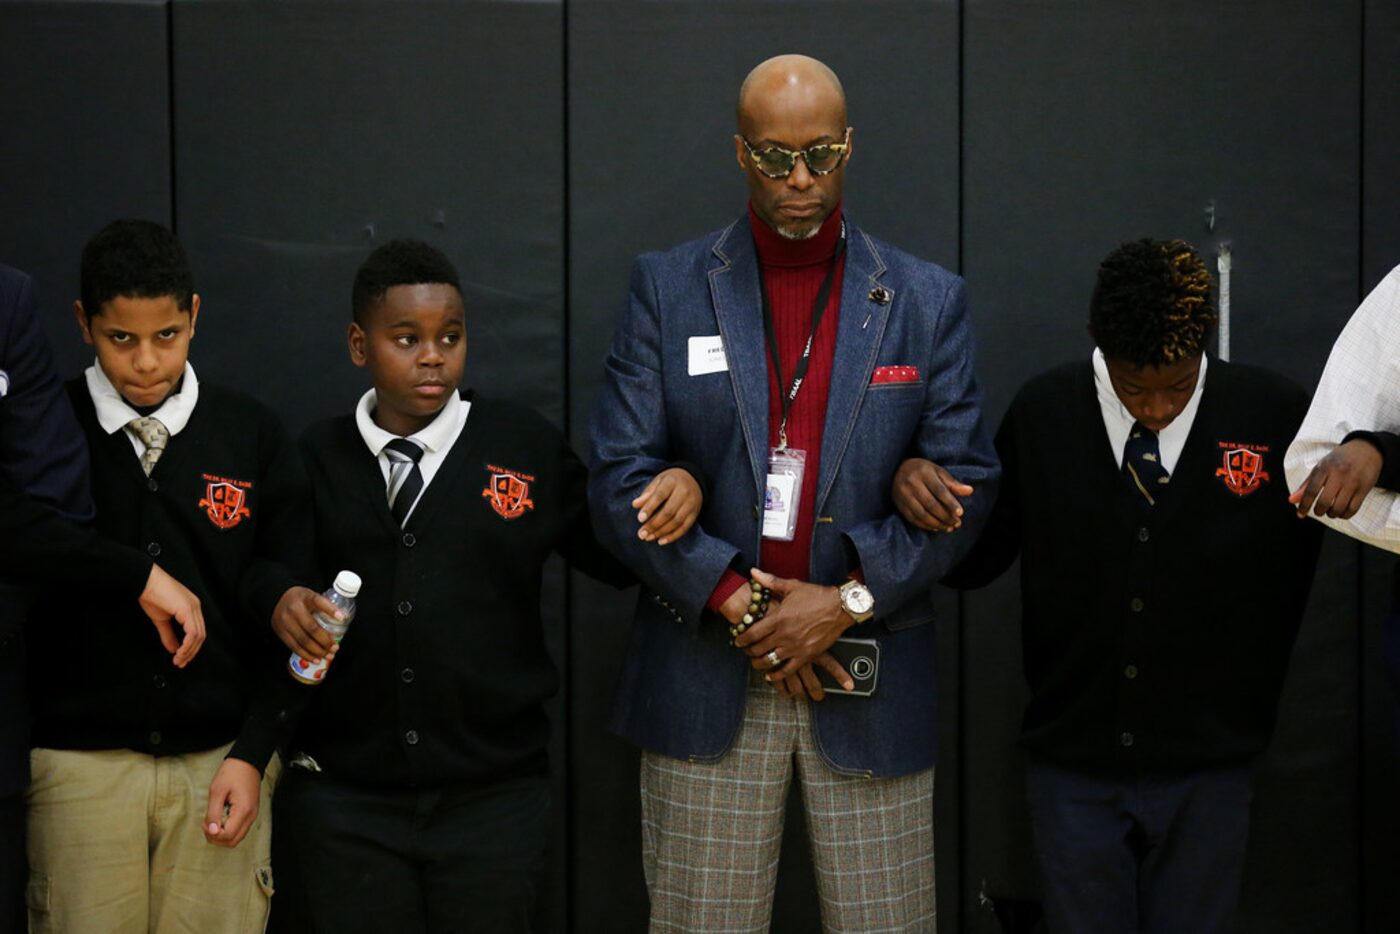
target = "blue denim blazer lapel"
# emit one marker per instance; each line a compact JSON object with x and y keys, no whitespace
{"x":860,"y":330}
{"x":734,"y":288}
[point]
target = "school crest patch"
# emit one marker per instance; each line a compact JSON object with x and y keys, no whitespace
{"x":1242,"y":467}
{"x":225,"y":500}
{"x":508,"y":492}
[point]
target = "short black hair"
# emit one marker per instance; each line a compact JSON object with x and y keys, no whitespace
{"x":135,"y":259}
{"x":399,"y":262}
{"x":1153,"y":304}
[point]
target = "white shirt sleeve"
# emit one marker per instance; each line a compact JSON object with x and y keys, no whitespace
{"x":1359,"y":391}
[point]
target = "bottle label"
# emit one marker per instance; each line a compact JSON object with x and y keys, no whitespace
{"x":306,"y":671}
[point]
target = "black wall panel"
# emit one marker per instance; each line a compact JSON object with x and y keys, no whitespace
{"x":1090,"y":123}
{"x":306,"y":133}
{"x":1381,"y":195}
{"x":309,"y":132}
{"x":86,"y":139}
{"x":652,"y":87}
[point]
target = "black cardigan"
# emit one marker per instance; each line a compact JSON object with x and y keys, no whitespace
{"x":99,"y":677}
{"x":1153,"y":639}
{"x":442,"y":677}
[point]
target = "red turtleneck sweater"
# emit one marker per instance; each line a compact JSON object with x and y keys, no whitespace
{"x":793,"y":271}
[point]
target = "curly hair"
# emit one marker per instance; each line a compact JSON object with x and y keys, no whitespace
{"x":399,"y":262}
{"x":1153,"y":304}
{"x":133,"y":259}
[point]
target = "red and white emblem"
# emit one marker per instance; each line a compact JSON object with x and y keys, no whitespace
{"x":225,"y":501}
{"x":509,"y":492}
{"x":1242,"y":467}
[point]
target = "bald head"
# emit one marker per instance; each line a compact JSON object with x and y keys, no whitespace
{"x":796,"y":85}
{"x":793,"y":103}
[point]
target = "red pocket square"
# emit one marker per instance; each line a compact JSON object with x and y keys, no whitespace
{"x":895,"y":374}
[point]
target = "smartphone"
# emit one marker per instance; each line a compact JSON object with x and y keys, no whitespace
{"x":861,"y":659}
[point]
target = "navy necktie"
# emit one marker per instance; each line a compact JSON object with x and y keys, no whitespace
{"x":1142,"y":464}
{"x":405,"y":479}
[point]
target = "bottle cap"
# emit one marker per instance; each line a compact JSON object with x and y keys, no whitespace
{"x":347,"y":583}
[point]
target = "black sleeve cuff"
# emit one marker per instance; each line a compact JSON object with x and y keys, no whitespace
{"x":1388,"y":444}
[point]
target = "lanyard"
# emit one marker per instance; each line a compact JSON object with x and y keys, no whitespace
{"x":818,"y":310}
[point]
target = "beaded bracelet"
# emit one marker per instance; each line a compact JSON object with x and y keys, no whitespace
{"x":758,"y":608}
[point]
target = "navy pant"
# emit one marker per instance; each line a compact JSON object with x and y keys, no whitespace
{"x":373,"y":859}
{"x":1390,"y":656}
{"x":1153,"y":853}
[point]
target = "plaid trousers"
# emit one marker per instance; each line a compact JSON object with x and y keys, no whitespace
{"x":711,"y":832}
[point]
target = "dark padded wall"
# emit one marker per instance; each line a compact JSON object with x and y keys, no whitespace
{"x":1092,"y":123}
{"x":308,"y":133}
{"x":652,"y":87}
{"x":282,"y":190}
{"x":86,"y":138}
{"x":1381,"y":248}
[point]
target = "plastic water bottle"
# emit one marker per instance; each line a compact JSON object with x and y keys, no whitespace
{"x":347,"y":587}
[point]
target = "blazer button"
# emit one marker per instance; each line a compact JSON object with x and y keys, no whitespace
{"x":1126,"y":739}
{"x":408,"y":540}
{"x":1143,"y":534}
{"x":155,"y":737}
{"x":405,"y":607}
{"x":153,"y":549}
{"x":411,"y":737}
{"x":407,"y":675}
{"x":158,"y":681}
{"x":152,"y":484}
{"x":1130,"y":672}
{"x":1137,"y":604}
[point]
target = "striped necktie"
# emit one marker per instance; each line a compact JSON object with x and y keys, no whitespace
{"x":1142,"y":464}
{"x":153,"y":435}
{"x":405,"y":479}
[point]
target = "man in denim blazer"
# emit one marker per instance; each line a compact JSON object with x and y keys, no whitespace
{"x":689,"y":379}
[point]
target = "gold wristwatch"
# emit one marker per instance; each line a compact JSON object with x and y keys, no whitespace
{"x":857,"y":600}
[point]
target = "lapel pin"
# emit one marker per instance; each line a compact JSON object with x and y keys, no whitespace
{"x":880,"y":295}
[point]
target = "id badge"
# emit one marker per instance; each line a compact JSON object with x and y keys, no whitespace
{"x":780,"y":494}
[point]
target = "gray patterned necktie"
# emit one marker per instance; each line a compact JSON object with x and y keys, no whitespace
{"x":153,"y":435}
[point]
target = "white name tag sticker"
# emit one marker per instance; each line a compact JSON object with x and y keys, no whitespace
{"x":707,"y":355}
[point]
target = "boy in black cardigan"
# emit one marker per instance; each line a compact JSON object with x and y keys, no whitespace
{"x":146,"y":776}
{"x":420,"y":799}
{"x":1163,"y":579}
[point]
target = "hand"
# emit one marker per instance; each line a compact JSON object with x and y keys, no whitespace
{"x":802,"y":624}
{"x":806,"y":683}
{"x":233,"y":803}
{"x":668,"y":507}
{"x":165,"y":599}
{"x":737,"y":605}
{"x":926,"y":495}
{"x":295,"y":625}
{"x":1340,"y":481}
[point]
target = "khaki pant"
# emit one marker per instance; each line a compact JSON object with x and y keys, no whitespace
{"x":116,"y":846}
{"x":711,"y":833}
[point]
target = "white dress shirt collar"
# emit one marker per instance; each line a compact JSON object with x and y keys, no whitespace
{"x":114,"y":412}
{"x":436,"y":438}
{"x":1119,"y":421}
